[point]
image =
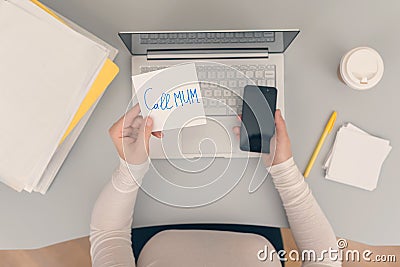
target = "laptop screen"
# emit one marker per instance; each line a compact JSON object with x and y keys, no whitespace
{"x":275,"y":41}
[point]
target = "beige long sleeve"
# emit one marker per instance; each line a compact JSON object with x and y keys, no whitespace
{"x":310,"y":227}
{"x":110,"y":229}
{"x":112,"y":216}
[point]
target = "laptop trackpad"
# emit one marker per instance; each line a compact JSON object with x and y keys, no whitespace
{"x":208,"y":139}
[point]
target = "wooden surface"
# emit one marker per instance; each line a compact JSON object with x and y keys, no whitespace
{"x":74,"y":253}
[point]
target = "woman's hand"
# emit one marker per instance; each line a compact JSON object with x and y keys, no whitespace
{"x":279,"y":145}
{"x":131,"y":136}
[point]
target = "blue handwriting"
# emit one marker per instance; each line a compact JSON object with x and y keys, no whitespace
{"x":168,"y":101}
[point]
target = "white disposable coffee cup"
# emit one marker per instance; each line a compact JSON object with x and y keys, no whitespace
{"x":361,"y":68}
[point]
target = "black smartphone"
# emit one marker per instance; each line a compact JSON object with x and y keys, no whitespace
{"x":258,"y":118}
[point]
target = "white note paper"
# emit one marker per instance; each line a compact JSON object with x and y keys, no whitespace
{"x":171,"y":97}
{"x":356,"y":158}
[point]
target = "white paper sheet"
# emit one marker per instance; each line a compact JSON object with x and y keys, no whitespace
{"x":356,"y":158}
{"x":63,"y":149}
{"x":171,"y":97}
{"x":45,"y":72}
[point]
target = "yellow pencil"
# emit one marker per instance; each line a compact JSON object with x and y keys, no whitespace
{"x":327,"y":130}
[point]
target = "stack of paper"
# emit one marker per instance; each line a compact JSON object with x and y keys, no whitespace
{"x":52,"y":74}
{"x":356,"y":158}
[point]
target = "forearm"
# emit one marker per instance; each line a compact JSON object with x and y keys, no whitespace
{"x":110,"y":228}
{"x":309,"y":226}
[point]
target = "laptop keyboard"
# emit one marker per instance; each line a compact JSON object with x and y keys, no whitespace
{"x":222,"y":87}
{"x":207,"y":37}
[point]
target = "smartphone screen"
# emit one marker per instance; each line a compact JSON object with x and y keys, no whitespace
{"x":258,"y":123}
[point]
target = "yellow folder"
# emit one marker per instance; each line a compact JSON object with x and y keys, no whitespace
{"x":105,"y":77}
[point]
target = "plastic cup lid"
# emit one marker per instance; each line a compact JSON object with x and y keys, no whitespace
{"x":362,"y":68}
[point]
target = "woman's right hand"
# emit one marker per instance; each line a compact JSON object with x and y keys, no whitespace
{"x":280,"y":143}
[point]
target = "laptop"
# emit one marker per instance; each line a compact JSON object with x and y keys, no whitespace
{"x":226,"y":61}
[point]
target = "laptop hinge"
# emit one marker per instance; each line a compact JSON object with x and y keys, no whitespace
{"x":206,"y":54}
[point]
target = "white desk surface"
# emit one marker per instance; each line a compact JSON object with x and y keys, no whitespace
{"x":328,"y":30}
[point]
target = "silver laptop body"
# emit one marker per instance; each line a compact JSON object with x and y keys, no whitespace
{"x":226,"y":61}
